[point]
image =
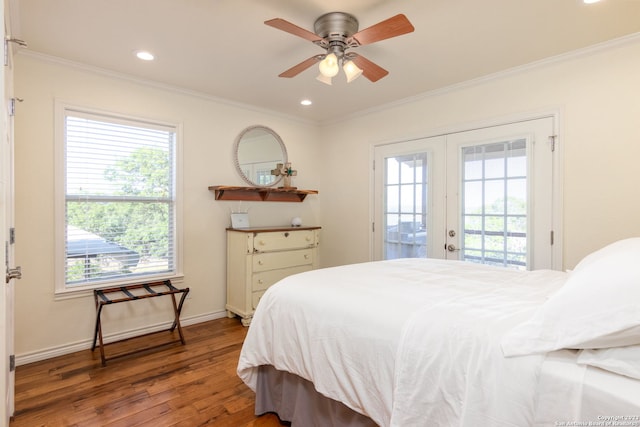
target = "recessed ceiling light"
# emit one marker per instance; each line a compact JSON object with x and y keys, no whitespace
{"x":306,"y":102}
{"x":144,"y":55}
{"x":591,"y":1}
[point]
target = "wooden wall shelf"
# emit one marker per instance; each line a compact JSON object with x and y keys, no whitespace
{"x":260,"y":194}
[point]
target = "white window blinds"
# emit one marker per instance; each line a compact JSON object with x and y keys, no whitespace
{"x":119,"y":199}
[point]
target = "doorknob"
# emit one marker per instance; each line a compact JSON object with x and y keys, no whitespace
{"x":14,"y":273}
{"x":452,"y":248}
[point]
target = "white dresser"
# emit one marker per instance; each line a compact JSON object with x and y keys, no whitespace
{"x":259,"y":257}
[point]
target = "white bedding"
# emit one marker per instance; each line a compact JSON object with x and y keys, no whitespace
{"x":405,"y":342}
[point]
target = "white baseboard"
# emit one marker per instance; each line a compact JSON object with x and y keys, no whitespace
{"x":36,"y":356}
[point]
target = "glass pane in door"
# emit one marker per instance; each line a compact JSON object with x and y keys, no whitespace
{"x":494,"y":203}
{"x":405,"y":206}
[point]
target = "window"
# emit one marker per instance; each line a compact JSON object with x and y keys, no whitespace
{"x":118,"y":214}
{"x":494,"y":194}
{"x":405,"y":216}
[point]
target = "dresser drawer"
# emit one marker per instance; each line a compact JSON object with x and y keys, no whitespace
{"x":278,"y":260}
{"x":255,"y":299}
{"x":283,"y":240}
{"x":261,"y":281}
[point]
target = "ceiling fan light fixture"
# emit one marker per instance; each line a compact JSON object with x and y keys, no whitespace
{"x":329,"y":65}
{"x":324,"y":79}
{"x":351,"y":70}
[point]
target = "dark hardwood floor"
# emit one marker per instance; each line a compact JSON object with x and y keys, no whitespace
{"x":191,"y":385}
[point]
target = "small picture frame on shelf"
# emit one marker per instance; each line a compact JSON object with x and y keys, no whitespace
{"x":240,"y":220}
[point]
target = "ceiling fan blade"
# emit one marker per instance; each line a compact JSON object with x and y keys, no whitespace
{"x":297,"y":69}
{"x":370,"y":70}
{"x":290,"y":28}
{"x":392,"y":27}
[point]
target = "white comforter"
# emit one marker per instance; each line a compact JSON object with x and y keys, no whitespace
{"x":409,"y":342}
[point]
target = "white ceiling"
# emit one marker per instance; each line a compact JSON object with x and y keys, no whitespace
{"x":222,"y":47}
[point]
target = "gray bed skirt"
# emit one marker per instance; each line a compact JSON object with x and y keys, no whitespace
{"x":295,"y":400}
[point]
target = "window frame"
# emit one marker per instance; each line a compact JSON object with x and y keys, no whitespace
{"x":62,"y":109}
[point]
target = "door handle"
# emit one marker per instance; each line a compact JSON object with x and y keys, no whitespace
{"x":14,"y":273}
{"x":452,"y":248}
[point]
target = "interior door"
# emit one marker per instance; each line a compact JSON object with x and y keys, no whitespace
{"x":499,"y":195}
{"x":7,"y":235}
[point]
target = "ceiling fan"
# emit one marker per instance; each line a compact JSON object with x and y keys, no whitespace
{"x":336,"y":32}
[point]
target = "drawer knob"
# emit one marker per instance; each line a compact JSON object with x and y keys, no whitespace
{"x":286,"y":234}
{"x":261,"y":243}
{"x":308,"y":239}
{"x":306,"y":256}
{"x":260,"y":262}
{"x":260,"y":281}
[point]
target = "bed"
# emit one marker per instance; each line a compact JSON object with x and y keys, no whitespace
{"x":415,"y":342}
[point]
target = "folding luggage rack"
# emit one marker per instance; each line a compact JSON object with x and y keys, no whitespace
{"x":132,"y":293}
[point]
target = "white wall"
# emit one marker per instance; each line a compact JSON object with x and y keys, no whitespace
{"x":597,"y":96}
{"x":47,"y":326}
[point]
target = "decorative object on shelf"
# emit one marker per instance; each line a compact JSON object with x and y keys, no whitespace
{"x":286,"y":172}
{"x":260,"y":194}
{"x":256,"y":150}
{"x":240,"y":220}
{"x":296,"y":222}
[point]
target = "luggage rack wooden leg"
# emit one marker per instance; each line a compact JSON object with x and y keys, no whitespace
{"x":149,"y":290}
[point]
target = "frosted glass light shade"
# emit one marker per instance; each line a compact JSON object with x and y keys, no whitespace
{"x":351,"y":70}
{"x":324,"y":79}
{"x":329,"y":65}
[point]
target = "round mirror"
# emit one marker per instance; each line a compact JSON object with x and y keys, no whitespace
{"x":257,"y":151}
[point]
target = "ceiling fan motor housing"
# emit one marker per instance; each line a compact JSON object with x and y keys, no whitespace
{"x":335,"y":28}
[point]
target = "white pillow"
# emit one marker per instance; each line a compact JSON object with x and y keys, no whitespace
{"x":598,"y":306}
{"x":621,"y":360}
{"x":626,"y":245}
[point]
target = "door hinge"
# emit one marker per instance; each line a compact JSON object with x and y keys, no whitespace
{"x":12,"y":105}
{"x":373,"y":227}
{"x":6,"y":47}
{"x":552,"y":142}
{"x":551,"y":237}
{"x":374,"y":165}
{"x":12,"y":363}
{"x":12,"y":235}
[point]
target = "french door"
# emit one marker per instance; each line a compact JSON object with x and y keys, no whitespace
{"x":481,"y":196}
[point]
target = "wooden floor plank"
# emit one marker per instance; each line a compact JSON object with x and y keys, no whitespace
{"x":173,"y":386}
